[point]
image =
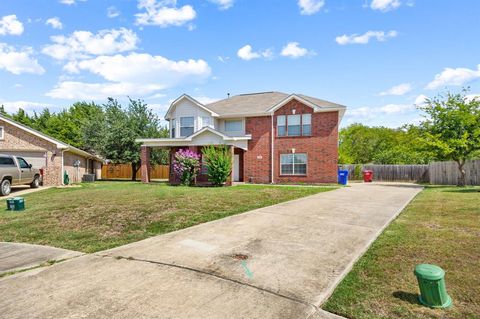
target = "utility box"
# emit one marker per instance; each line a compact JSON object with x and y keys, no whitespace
{"x":431,"y":280}
{"x":88,"y":178}
{"x":16,"y":204}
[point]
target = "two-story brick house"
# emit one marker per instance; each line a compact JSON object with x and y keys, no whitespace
{"x":274,"y":137}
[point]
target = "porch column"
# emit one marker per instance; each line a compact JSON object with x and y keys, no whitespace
{"x":145,"y":159}
{"x":230,"y":178}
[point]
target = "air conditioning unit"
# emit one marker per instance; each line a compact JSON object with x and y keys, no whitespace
{"x":87,"y":178}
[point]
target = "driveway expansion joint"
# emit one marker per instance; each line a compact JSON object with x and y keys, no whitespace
{"x":316,"y":308}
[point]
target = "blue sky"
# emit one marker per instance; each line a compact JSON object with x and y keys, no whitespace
{"x":378,"y":57}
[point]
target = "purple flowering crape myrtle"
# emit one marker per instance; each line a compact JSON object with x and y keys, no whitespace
{"x":186,"y":165}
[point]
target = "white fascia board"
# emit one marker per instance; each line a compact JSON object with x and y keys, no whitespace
{"x":288,"y":99}
{"x":191,"y":99}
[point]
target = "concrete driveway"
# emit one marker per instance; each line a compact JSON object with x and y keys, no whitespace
{"x":281,"y":261}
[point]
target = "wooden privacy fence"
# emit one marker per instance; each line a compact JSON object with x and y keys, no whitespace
{"x":446,"y":173}
{"x":124,"y":171}
{"x":390,"y":173}
{"x":437,"y":173}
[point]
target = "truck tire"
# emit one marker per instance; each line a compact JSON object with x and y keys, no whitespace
{"x":5,"y":187}
{"x":36,"y":182}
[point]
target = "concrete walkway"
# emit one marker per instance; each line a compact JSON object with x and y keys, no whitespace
{"x":281,"y":261}
{"x":16,"y":256}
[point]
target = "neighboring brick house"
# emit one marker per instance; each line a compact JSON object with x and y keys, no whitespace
{"x":51,"y":155}
{"x":274,"y":137}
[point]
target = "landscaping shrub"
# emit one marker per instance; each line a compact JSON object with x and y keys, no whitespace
{"x":218,"y":161}
{"x":186,"y":166}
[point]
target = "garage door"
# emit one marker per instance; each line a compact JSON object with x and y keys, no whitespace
{"x":37,"y":159}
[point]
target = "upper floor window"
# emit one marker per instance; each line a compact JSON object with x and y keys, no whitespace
{"x":233,"y":126}
{"x":281,"y":125}
{"x":306,"y":124}
{"x":187,"y":126}
{"x":294,"y":125}
{"x":2,"y":136}
{"x":174,"y":124}
{"x":207,"y":121}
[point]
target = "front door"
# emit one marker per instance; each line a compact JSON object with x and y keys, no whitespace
{"x":236,"y":167}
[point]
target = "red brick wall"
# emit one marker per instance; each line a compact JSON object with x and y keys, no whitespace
{"x":321,"y":148}
{"x":257,"y":164}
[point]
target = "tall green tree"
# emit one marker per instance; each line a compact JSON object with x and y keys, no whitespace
{"x":452,"y":128}
{"x":360,"y":144}
{"x":114,"y":133}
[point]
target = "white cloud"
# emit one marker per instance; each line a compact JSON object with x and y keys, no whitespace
{"x":396,"y":108}
{"x":142,"y":67}
{"x":83,"y":44}
{"x":309,"y":7}
{"x":70,"y":2}
{"x":164,"y":13}
{"x":112,"y":12}
{"x":368,"y":113}
{"x":54,"y":23}
{"x":9,"y":25}
{"x":455,"y":77}
{"x":470,"y":97}
{"x":223,"y":4}
{"x":27,"y":106}
{"x":18,"y":62}
{"x":206,"y":99}
{"x":133,"y":74}
{"x":247,"y":53}
{"x":293,"y":50}
{"x":365,"y":38}
{"x":400,"y":89}
{"x":385,"y":5}
{"x":72,"y":90}
{"x":421,"y":99}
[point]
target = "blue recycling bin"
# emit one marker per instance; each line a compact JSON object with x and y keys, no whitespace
{"x":342,"y":177}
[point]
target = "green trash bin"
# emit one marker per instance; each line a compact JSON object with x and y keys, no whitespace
{"x":433,"y":292}
{"x":16,"y":204}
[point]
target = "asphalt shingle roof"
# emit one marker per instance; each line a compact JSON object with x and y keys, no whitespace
{"x":259,"y":103}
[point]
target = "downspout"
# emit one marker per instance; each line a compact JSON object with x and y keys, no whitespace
{"x":63,"y":168}
{"x":272,"y":159}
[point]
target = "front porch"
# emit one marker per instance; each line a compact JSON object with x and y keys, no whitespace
{"x":207,"y":136}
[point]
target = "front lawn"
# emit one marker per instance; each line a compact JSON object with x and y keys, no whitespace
{"x":441,"y":226}
{"x":103,"y":215}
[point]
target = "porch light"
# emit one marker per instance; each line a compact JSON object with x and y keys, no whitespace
{"x":293,"y":151}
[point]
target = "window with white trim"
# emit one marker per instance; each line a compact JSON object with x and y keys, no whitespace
{"x":233,"y":126}
{"x":294,"y":125}
{"x":173,"y":124}
{"x":306,"y":124}
{"x":2,"y":133}
{"x":281,"y":125}
{"x":207,"y":121}
{"x":187,"y":126}
{"x":293,"y":164}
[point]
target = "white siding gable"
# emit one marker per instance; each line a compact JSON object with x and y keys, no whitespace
{"x":186,"y":108}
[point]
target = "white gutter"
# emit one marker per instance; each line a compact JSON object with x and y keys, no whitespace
{"x":272,"y":154}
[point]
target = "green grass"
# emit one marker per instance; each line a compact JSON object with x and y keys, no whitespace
{"x":441,"y":226}
{"x":103,"y":215}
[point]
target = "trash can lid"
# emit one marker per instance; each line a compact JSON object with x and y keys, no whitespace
{"x":429,"y":272}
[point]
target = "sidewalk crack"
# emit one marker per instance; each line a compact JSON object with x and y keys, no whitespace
{"x":216,"y":276}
